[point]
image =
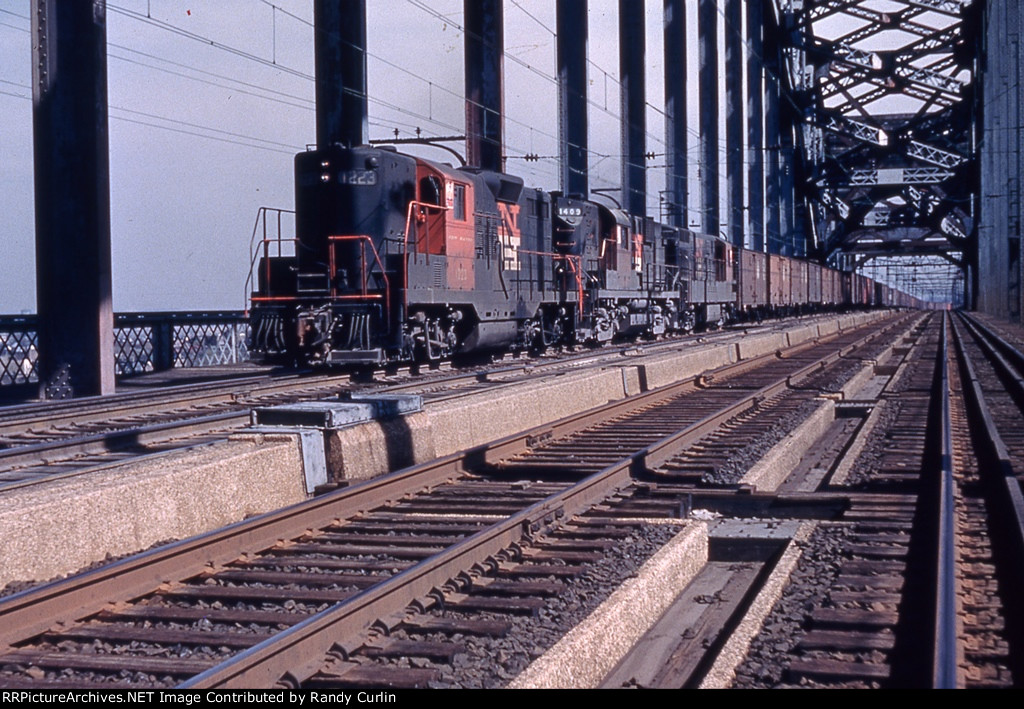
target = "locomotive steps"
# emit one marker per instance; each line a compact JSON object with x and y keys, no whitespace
{"x":60,"y":527}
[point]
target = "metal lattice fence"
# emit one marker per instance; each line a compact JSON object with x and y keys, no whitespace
{"x":143,"y":342}
{"x":18,"y":350}
{"x":209,"y":344}
{"x":133,"y":349}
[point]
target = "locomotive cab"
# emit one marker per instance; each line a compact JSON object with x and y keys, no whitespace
{"x":339,"y":285}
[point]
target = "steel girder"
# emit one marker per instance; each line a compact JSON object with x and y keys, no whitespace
{"x":890,"y":95}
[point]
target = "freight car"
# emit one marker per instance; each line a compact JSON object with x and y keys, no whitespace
{"x":397,"y":258}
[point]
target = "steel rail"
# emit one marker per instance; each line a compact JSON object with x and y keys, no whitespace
{"x":1002,"y":466}
{"x":48,"y":411}
{"x":167,"y":399}
{"x":1009,"y":353}
{"x":946,"y":641}
{"x":120,"y":440}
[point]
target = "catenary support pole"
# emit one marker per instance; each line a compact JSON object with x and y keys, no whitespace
{"x":72,"y":198}
{"x":485,"y":98}
{"x":340,"y":48}
{"x":572,"y":96}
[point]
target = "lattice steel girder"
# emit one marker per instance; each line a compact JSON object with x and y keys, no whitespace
{"x":954,"y":8}
{"x":859,"y":102}
{"x":875,"y":135}
{"x":853,"y":80}
{"x":922,"y":78}
{"x":909,"y":248}
{"x":877,"y":217}
{"x":823,"y":9}
{"x":832,"y":201}
{"x":931,"y":37}
{"x":929,"y":78}
{"x":951,"y":226}
{"x":842,"y":72}
{"x":894,"y":176}
{"x":934,"y":155}
{"x":856,"y":129}
{"x":880,"y":21}
{"x":850,"y":55}
{"x":897,"y":238}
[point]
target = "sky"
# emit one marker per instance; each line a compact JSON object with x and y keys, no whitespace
{"x":210,"y":100}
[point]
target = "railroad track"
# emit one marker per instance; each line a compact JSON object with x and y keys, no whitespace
{"x":913,"y":591}
{"x":989,"y":457}
{"x":41,"y":441}
{"x":854,"y":615}
{"x":497,"y":530}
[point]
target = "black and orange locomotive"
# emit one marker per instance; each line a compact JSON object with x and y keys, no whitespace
{"x":397,"y":258}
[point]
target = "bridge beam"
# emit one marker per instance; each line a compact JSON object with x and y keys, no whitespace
{"x":485,"y":92}
{"x":707,"y":31}
{"x":676,"y":100}
{"x":72,"y":198}
{"x":572,"y":96}
{"x":755,"y":128}
{"x":734,"y":133}
{"x":632,"y":50}
{"x":773,"y":130}
{"x":339,"y":46}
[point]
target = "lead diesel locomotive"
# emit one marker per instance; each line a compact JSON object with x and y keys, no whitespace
{"x":397,"y":258}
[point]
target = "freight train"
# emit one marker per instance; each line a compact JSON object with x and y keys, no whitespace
{"x":397,"y":258}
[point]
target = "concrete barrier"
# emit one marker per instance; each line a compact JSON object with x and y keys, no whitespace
{"x":828,"y":326}
{"x":663,"y":370}
{"x":776,"y":465}
{"x":379,"y":447}
{"x":59,"y":528}
{"x":757,"y":345}
{"x":591,"y":650}
{"x":800,"y":335}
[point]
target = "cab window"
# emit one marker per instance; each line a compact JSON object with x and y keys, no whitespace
{"x":459,"y":204}
{"x":430,"y":190}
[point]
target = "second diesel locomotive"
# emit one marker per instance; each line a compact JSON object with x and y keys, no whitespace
{"x":397,"y":259}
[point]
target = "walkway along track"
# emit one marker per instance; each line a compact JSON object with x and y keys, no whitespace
{"x":330,"y":568}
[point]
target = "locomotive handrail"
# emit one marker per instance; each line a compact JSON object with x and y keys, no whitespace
{"x":575,"y":266}
{"x":507,"y":226}
{"x":363,"y":240}
{"x":266,"y":259}
{"x":261,"y":216}
{"x":405,"y":246}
